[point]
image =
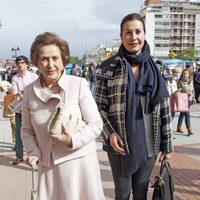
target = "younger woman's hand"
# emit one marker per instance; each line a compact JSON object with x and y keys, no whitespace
{"x":165,"y":156}
{"x":117,"y":143}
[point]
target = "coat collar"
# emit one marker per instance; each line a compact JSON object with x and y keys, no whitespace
{"x":43,"y":95}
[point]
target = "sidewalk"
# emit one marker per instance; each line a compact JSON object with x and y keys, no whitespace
{"x":15,"y":182}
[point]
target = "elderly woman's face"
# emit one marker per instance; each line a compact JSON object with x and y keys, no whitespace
{"x":133,"y":36}
{"x":50,"y":63}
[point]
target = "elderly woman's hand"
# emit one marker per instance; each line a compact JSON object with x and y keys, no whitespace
{"x":64,"y":137}
{"x":32,"y":161}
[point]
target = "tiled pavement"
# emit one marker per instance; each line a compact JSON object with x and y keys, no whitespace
{"x":15,"y":182}
{"x":185,"y":171}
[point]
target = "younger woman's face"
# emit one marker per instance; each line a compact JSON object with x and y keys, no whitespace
{"x":133,"y":36}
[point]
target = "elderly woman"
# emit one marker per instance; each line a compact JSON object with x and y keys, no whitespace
{"x":134,"y":104}
{"x":68,"y":164}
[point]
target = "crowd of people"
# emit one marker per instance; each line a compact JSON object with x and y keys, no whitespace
{"x":87,"y":71}
{"x":126,"y":99}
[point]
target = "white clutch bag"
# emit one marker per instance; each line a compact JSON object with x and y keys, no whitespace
{"x":62,"y":117}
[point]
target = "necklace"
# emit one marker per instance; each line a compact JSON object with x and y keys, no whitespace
{"x":52,"y":90}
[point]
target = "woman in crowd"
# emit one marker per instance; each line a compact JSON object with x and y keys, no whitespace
{"x":68,"y":164}
{"x":134,"y":103}
{"x":185,"y":85}
{"x":92,"y":76}
{"x":86,"y":74}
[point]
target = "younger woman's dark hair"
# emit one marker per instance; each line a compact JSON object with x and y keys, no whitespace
{"x":129,"y":17}
{"x":22,"y":58}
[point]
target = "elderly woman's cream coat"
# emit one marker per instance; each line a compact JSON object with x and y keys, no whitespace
{"x":38,"y":105}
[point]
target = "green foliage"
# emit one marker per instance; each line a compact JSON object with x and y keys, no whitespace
{"x":187,"y":54}
{"x":84,"y":58}
{"x":75,"y":59}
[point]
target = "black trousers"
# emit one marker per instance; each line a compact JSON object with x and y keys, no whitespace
{"x":137,"y":183}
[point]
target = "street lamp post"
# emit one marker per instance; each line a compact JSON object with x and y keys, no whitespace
{"x":15,"y":49}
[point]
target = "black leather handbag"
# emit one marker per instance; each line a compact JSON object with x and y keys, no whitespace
{"x":163,"y":185}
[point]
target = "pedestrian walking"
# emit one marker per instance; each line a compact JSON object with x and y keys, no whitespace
{"x":185,"y":85}
{"x":68,"y":164}
{"x":134,"y":103}
{"x":19,"y":82}
{"x":86,"y":74}
{"x":5,"y":86}
{"x":196,"y":80}
{"x":11,"y":72}
{"x":92,"y":75}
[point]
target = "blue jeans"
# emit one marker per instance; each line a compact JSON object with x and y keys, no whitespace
{"x":187,"y":117}
{"x":137,"y":182}
{"x":173,"y":115}
{"x":92,"y":86}
{"x":18,"y":140}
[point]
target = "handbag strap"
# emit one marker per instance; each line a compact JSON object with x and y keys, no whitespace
{"x":166,"y":164}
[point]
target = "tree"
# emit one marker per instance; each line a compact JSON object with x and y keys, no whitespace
{"x":75,"y":59}
{"x":187,"y":54}
{"x":84,"y":58}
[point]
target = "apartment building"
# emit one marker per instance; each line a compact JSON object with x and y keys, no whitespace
{"x":172,"y":25}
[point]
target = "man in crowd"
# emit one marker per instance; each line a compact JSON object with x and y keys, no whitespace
{"x":19,"y":81}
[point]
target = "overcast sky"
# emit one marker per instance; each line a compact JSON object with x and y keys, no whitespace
{"x":83,"y":23}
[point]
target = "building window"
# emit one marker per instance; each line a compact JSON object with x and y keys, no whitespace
{"x":158,"y":30}
{"x":165,"y":23}
{"x":158,"y":16}
{"x":158,"y":38}
{"x":159,"y":23}
{"x":166,"y":30}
